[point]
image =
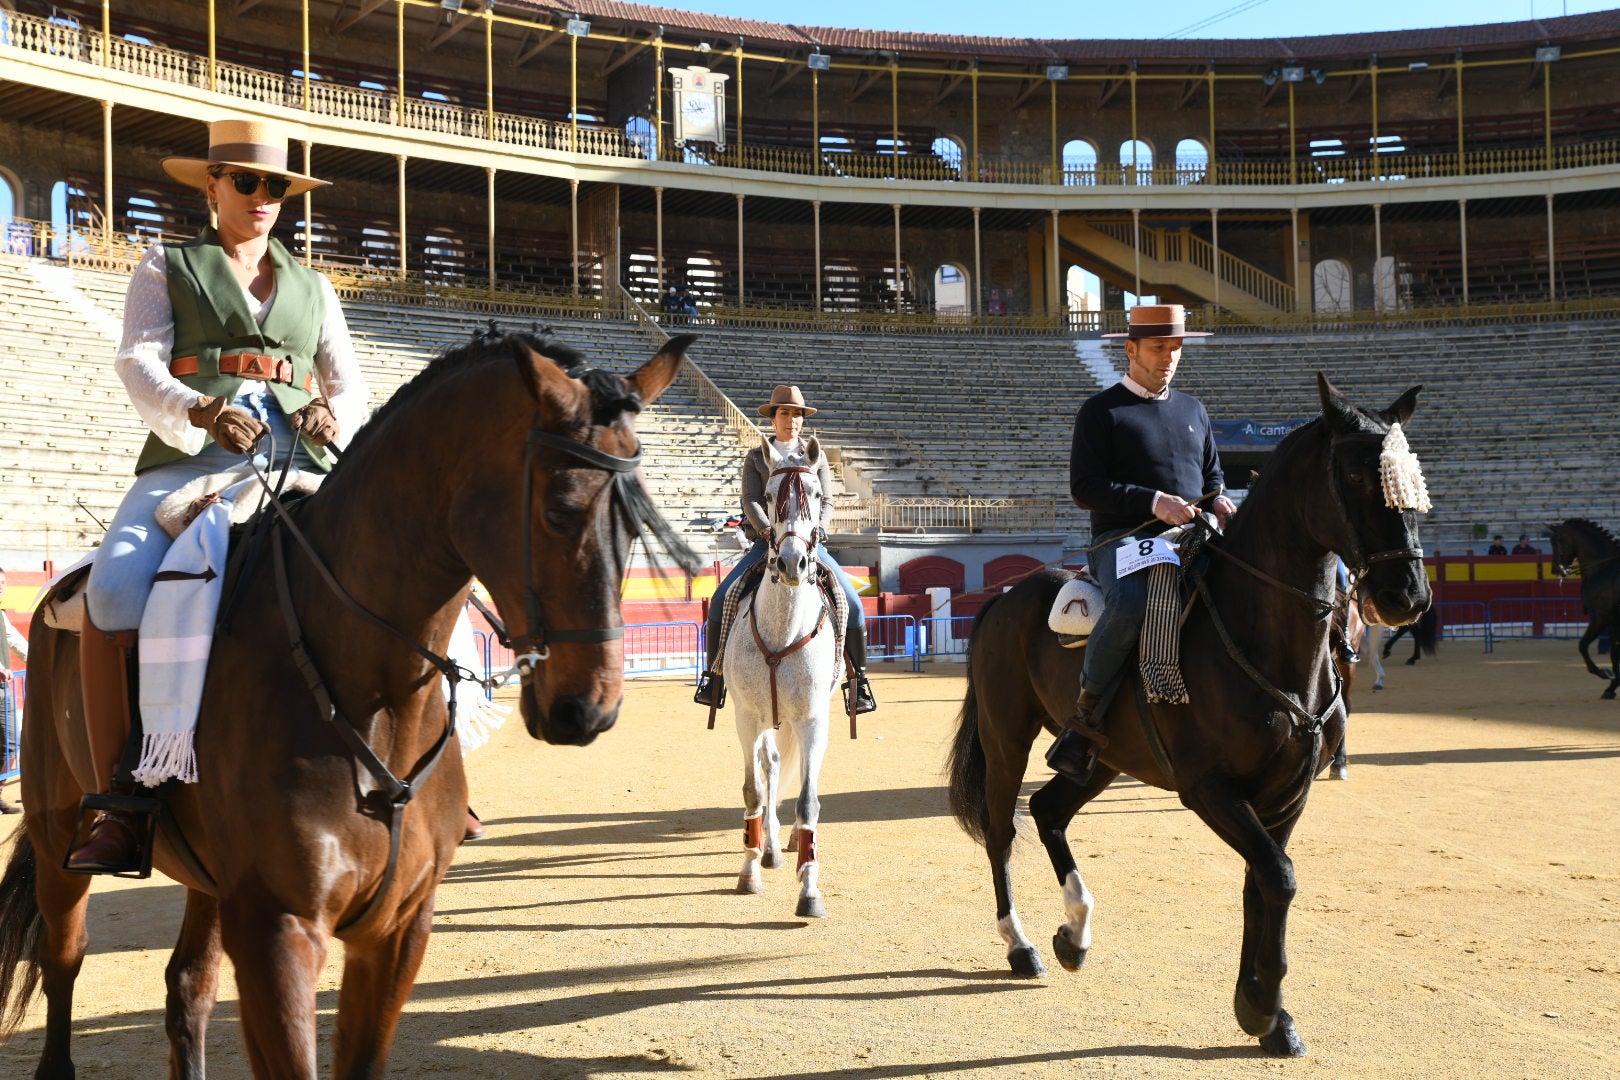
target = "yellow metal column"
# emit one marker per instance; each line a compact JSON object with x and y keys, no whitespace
{"x":1210,"y":172}
{"x":399,"y":52}
{"x":1135,"y":179}
{"x":106,"y":173}
{"x":977,"y":173}
{"x":1462,"y":155}
{"x":213,"y":50}
{"x":658,"y":107}
{"x":304,"y":5}
{"x":1546,"y":109}
{"x":894,"y":115}
{"x":489,"y":71}
{"x":739,"y":101}
{"x":815,"y":126}
{"x":106,"y":32}
{"x":573,"y":102}
{"x":1057,"y":166}
{"x":1293,"y":147}
{"x":402,"y":243}
{"x":1376,"y":171}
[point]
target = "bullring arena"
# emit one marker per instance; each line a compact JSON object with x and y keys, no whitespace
{"x":929,"y":234}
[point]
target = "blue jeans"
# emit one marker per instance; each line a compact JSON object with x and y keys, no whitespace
{"x":717,"y":602}
{"x":133,"y":550}
{"x":1125,"y":605}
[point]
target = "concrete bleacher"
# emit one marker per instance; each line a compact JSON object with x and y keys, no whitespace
{"x":1516,"y":424}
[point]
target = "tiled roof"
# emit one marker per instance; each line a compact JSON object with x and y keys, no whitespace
{"x":1568,"y":29}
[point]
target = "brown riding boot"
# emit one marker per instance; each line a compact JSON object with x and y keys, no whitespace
{"x":114,"y":846}
{"x":1074,"y":751}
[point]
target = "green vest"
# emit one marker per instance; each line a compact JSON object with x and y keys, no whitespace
{"x":211,"y":318}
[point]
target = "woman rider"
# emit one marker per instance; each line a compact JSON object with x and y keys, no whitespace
{"x":226,"y":339}
{"x":787,"y":411}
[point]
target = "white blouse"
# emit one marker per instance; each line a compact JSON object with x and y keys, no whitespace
{"x":163,"y":400}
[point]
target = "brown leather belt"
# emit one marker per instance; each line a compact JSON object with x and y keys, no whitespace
{"x":248,"y":366}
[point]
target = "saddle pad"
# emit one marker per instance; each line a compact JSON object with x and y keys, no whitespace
{"x":1075,"y":611}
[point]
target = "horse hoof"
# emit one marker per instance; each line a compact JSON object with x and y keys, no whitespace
{"x":750,"y":884}
{"x":1070,"y":955}
{"x":1340,"y":772}
{"x":810,"y":907}
{"x":1608,"y":695}
{"x":770,"y":860}
{"x":1283,"y":1040}
{"x":1026,"y":963}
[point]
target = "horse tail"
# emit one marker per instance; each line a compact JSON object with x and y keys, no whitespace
{"x":20,"y":929}
{"x":1426,"y":631}
{"x":966,"y":765}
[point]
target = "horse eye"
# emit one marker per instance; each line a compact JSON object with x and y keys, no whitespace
{"x":564,"y":523}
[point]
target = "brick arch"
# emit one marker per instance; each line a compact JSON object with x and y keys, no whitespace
{"x":1001,"y":570}
{"x":932,"y":571}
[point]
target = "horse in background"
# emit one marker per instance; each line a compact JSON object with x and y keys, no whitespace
{"x":781,"y":662}
{"x":494,"y":461}
{"x":1425,"y":635}
{"x":1256,"y":659}
{"x":1584,"y":542}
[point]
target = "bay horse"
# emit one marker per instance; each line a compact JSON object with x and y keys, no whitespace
{"x":781,"y":663}
{"x":1265,"y":705}
{"x":1584,"y":541}
{"x":492,"y":462}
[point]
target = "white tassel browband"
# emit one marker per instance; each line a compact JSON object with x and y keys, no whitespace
{"x":1404,"y":486}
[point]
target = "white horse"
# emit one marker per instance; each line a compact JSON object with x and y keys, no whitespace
{"x":781,"y":663}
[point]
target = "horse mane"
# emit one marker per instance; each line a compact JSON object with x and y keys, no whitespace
{"x":1590,"y":526}
{"x":610,"y":395}
{"x":1366,"y":423}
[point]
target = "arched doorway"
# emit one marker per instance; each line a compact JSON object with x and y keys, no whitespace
{"x":951,"y":292}
{"x":1192,"y":162}
{"x":1331,"y":290}
{"x":1079,"y":163}
{"x":1136,"y":158}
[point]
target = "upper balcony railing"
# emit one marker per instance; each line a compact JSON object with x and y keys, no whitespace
{"x":55,"y":37}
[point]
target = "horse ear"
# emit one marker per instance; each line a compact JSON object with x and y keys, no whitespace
{"x":1335,"y":406}
{"x":1403,"y":408}
{"x":562,"y":398}
{"x":765,"y":448}
{"x":812,"y":451}
{"x":654,"y":377}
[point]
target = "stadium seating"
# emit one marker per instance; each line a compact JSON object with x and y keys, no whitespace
{"x":903,"y":415}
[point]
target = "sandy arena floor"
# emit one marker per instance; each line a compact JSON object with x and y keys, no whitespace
{"x":1458,"y":912}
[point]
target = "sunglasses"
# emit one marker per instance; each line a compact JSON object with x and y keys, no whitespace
{"x":247,"y":183}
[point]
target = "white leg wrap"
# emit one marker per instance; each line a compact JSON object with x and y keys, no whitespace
{"x":1012,"y":931}
{"x":1079,"y":903}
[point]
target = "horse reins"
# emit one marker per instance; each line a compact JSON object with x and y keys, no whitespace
{"x":536,"y":641}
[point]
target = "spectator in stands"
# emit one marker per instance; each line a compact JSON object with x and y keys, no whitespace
{"x":1497,"y":547}
{"x":1142,"y":459}
{"x":226,"y":339}
{"x":1525,"y":547}
{"x":678,"y":302}
{"x":12,"y":644}
{"x":787,"y":410}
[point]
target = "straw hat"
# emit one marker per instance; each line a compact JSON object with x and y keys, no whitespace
{"x":260,"y":145}
{"x":1158,"y":320}
{"x":786,"y":395}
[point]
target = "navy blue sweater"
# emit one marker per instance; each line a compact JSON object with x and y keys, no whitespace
{"x":1127,"y":447}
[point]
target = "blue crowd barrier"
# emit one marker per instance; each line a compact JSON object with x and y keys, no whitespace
{"x":14,"y":692}
{"x":892,"y":637}
{"x":945,"y":639}
{"x":663,"y":647}
{"x":1466,"y":619}
{"x":1538,"y":617}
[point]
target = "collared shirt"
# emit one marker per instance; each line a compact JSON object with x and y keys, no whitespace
{"x":1143,"y":392}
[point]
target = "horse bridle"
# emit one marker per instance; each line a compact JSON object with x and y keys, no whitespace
{"x":791,"y":490}
{"x":535,"y":644}
{"x":1359,"y":562}
{"x":536,"y":641}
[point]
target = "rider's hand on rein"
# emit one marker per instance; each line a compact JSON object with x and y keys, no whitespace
{"x":316,"y":422}
{"x":232,"y":428}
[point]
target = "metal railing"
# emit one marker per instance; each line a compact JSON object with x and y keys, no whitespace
{"x":1558,"y":617}
{"x":921,"y":514}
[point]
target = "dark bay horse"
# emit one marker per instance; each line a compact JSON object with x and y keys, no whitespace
{"x":492,"y":462}
{"x":1265,"y":710}
{"x":1583,"y":541}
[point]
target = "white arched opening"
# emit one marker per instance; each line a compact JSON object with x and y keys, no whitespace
{"x":1331,"y":290}
{"x":1079,"y":163}
{"x":638,"y":132}
{"x":949,"y":151}
{"x":1136,"y":158}
{"x":1192,"y":162}
{"x":951,"y":292}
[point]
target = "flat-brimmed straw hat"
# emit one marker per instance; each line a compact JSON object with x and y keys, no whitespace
{"x":786,"y":395}
{"x":1158,"y":320}
{"x":260,"y":145}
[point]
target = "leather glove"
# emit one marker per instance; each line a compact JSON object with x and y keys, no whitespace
{"x":316,"y":422}
{"x":230,"y":427}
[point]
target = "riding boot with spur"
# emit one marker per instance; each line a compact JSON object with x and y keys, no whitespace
{"x":855,"y":649}
{"x":1074,"y":751}
{"x":119,"y":840}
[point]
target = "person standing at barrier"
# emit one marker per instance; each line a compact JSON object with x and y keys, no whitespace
{"x":787,"y":410}
{"x":1141,"y":452}
{"x":226,"y":339}
{"x":13,"y":644}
